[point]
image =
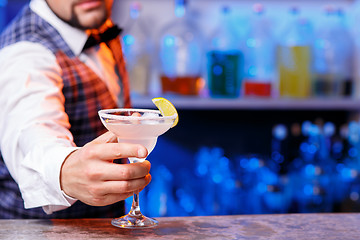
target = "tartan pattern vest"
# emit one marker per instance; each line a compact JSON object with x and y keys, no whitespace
{"x":85,"y":93}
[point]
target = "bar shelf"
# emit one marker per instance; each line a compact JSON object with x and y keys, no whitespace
{"x":199,"y":103}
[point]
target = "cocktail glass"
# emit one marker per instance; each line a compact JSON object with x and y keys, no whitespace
{"x":140,"y":126}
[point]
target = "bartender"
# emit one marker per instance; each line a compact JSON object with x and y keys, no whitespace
{"x":61,"y":62}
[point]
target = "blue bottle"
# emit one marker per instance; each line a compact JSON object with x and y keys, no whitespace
{"x":225,"y":61}
{"x":278,"y":149}
{"x":312,"y":178}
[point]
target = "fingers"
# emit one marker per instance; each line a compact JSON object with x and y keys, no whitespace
{"x":121,"y":187}
{"x":105,"y":138}
{"x":119,"y":172}
{"x":110,"y":151}
{"x":113,"y":191}
{"x":88,"y":174}
{"x":106,"y":199}
{"x":105,"y":147}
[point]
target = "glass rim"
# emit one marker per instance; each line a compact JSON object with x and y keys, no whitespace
{"x":107,"y":114}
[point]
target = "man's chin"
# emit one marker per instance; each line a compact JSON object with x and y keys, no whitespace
{"x":91,"y":22}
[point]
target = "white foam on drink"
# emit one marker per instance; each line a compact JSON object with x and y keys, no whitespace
{"x":148,"y":118}
{"x":150,"y":115}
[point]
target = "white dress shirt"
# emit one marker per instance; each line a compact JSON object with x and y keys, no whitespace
{"x":34,"y":128}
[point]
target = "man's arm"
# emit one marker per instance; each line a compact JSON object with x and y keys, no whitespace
{"x":34,"y":128}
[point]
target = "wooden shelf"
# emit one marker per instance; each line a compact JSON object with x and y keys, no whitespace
{"x":197,"y":103}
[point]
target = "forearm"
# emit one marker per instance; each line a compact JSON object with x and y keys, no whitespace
{"x":34,"y":157}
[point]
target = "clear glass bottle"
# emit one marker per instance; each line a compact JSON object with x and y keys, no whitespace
{"x":225,"y":61}
{"x":348,"y":62}
{"x":181,"y":55}
{"x":137,"y":46}
{"x":259,"y":56}
{"x":294,"y":57}
{"x":333,"y":62}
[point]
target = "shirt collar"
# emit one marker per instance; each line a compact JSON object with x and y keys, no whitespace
{"x":74,"y":37}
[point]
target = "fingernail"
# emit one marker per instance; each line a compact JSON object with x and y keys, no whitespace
{"x":142,"y":152}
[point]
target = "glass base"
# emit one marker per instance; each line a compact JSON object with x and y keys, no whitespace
{"x":131,"y":221}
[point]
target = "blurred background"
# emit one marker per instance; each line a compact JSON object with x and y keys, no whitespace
{"x":268,"y":99}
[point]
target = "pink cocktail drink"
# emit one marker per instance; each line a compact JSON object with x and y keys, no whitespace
{"x":138,"y":126}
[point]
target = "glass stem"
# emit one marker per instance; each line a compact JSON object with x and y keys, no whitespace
{"x":135,"y":207}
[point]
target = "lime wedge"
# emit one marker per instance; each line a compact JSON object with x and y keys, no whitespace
{"x":166,"y":108}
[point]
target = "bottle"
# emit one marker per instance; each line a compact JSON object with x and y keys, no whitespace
{"x":259,"y":56}
{"x":278,"y":146}
{"x":347,"y":169}
{"x":314,"y":175}
{"x":181,"y":55}
{"x":224,"y":60}
{"x":348,"y":57}
{"x":332,"y":63}
{"x":294,"y":57}
{"x":137,"y":47}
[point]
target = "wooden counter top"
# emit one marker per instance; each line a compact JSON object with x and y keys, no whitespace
{"x":287,"y":226}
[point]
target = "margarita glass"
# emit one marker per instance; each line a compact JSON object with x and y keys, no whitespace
{"x":139,"y":126}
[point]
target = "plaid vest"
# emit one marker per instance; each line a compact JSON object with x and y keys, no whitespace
{"x":85,"y":93}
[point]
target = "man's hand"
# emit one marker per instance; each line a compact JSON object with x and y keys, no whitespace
{"x":89,"y":174}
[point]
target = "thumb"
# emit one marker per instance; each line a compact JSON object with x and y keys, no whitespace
{"x":107,"y":137}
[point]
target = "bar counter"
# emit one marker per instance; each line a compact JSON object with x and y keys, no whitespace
{"x":281,"y":226}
